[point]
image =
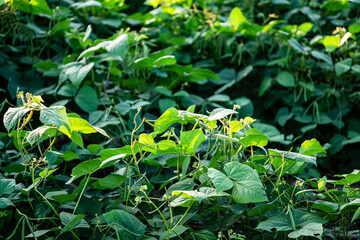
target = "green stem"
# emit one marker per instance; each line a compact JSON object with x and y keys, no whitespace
{"x":82,"y":192}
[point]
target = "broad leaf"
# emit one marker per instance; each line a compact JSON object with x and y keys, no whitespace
{"x":221,"y":181}
{"x":7,"y":186}
{"x":220,"y":113}
{"x":343,"y":66}
{"x":111,"y":181}
{"x":87,"y":99}
{"x":282,"y":221}
{"x":285,"y":79}
{"x":191,"y":140}
{"x":168,"y":118}
{"x":78,"y":71}
{"x":12,"y":116}
{"x":86,"y":167}
{"x":248,"y":187}
{"x":254,"y":137}
{"x":127,"y":225}
{"x":311,"y":147}
{"x":292,"y":156}
{"x":309,"y":230}
{"x":236,"y":18}
{"x":55,"y":115}
{"x":72,"y":221}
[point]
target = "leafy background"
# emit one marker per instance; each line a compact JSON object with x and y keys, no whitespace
{"x":292,"y":65}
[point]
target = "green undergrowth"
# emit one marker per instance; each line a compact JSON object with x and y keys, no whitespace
{"x":186,"y":176}
{"x":292,"y":64}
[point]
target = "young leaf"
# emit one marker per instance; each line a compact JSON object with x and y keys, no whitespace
{"x":191,"y":140}
{"x":236,"y":18}
{"x":254,"y":137}
{"x":168,"y":118}
{"x":311,"y":147}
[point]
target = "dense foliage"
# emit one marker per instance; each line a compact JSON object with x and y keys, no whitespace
{"x":253,"y":76}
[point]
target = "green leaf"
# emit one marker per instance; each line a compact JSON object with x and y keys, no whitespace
{"x":55,"y":115}
{"x":165,"y":104}
{"x":37,"y":133}
{"x":87,"y":167}
{"x":33,"y":6}
{"x":12,"y":116}
{"x":309,"y":230}
{"x":127,"y":225}
{"x":350,"y":207}
{"x":296,"y":46}
{"x":7,"y":186}
{"x":322,"y":183}
{"x":292,"y":156}
{"x":311,"y":147}
{"x":354,"y":28}
{"x":198,"y":75}
{"x":165,"y":60}
{"x":87,"y":99}
{"x":219,"y":113}
{"x":221,"y":181}
{"x":254,"y":137}
{"x":83,"y":126}
{"x":149,"y":143}
{"x":111,"y":181}
{"x":343,"y":66}
{"x":328,"y":207}
{"x":69,"y":155}
{"x":68,"y":90}
{"x":72,"y":221}
{"x":76,"y":138}
{"x":331,"y":43}
{"x":283,"y":222}
{"x":260,"y":210}
{"x":248,"y":187}
{"x":5,"y":202}
{"x":285,"y":79}
{"x":191,"y":140}
{"x":118,"y":46}
{"x":202,"y":194}
{"x":204,"y":235}
{"x":321,"y":56}
{"x":168,"y":145}
{"x":236,"y":18}
{"x":46,"y":65}
{"x":60,"y":27}
{"x":348,"y":179}
{"x":336,"y":5}
{"x":356,"y":215}
{"x":78,"y":71}
{"x":168,"y":118}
